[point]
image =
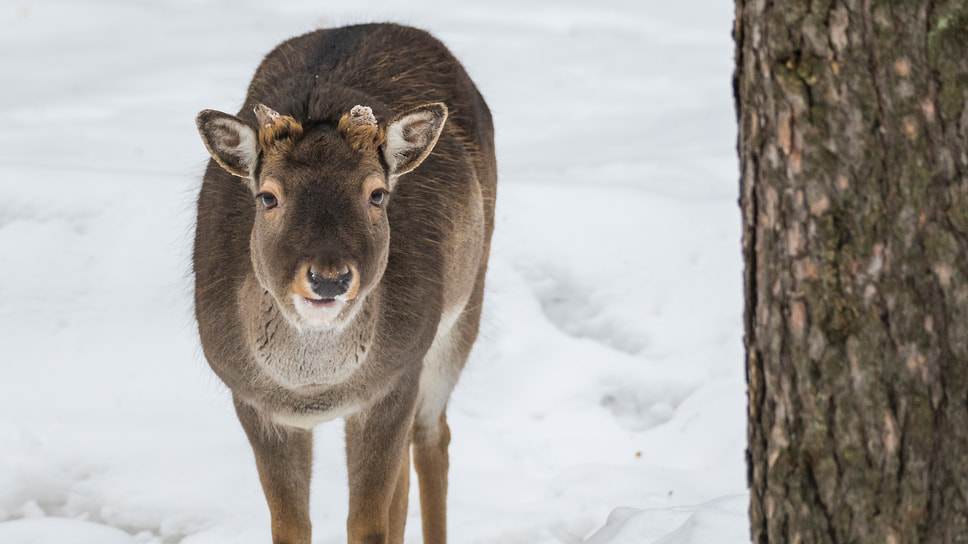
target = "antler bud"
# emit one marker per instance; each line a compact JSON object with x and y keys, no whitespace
{"x":266,"y":116}
{"x":360,"y":128}
{"x":362,"y":115}
{"x":274,"y":126}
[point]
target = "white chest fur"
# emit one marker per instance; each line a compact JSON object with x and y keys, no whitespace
{"x":295,"y":359}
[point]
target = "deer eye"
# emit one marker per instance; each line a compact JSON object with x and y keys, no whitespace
{"x":378,"y":197}
{"x":267,"y":200}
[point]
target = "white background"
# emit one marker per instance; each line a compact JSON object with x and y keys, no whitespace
{"x":605,"y":400}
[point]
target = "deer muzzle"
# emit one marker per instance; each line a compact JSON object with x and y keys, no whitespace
{"x":326,"y":286}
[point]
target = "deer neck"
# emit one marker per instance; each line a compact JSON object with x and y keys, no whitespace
{"x":296,"y":357}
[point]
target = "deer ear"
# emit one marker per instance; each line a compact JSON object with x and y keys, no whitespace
{"x":411,"y":136}
{"x":231,"y":142}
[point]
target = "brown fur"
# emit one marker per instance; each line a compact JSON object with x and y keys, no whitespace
{"x":300,"y":285}
{"x":354,"y":288}
{"x":389,"y":359}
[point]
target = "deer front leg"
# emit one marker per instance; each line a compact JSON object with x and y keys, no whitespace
{"x":401,"y":496}
{"x":284,"y":458}
{"x":376,"y":444}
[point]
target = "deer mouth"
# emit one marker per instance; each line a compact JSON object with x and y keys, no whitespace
{"x":317,"y":306}
{"x":319,"y":312}
{"x":321,"y":302}
{"x":324,"y":298}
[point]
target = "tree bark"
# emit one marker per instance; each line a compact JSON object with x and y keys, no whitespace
{"x":853,"y":144}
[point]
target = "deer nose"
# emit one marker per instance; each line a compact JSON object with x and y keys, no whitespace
{"x":329,"y":286}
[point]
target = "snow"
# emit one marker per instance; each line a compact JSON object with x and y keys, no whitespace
{"x":605,"y":400}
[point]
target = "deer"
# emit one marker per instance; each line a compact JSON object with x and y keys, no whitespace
{"x":341,"y":244}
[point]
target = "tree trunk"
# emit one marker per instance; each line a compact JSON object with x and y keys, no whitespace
{"x":853,"y":145}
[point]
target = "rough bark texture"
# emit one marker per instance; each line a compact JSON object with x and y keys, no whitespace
{"x":853,"y":139}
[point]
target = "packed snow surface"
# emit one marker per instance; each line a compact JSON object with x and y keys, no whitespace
{"x":604,"y":402}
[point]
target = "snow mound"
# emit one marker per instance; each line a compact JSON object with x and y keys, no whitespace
{"x":43,"y":530}
{"x":721,"y":520}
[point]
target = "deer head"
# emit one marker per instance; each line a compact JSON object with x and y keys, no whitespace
{"x":320,"y":238}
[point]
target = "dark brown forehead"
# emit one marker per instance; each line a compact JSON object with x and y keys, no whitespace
{"x":320,"y":154}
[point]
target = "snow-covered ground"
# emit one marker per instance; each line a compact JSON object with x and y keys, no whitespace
{"x":605,"y":400}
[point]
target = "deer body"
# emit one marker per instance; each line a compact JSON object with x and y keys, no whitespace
{"x":341,"y":246}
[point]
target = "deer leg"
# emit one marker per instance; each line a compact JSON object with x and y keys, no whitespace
{"x":431,"y":434}
{"x":284,"y":458}
{"x":375,"y":443}
{"x":401,"y":495}
{"x":431,"y":460}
